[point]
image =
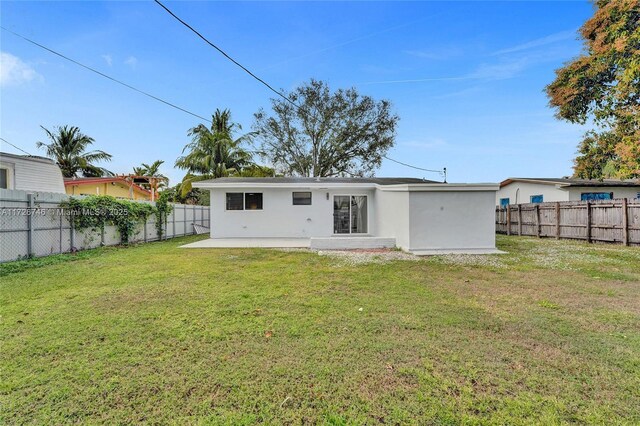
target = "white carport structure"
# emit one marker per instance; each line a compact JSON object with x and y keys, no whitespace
{"x":418,"y":216}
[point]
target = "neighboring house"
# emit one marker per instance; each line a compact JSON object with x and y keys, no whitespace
{"x":115,"y":186}
{"x":29,"y":173}
{"x":419,"y":216}
{"x":539,"y":190}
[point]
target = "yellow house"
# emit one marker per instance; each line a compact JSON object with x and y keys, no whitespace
{"x":115,"y":186}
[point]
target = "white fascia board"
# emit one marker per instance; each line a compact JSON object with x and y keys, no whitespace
{"x":307,"y":185}
{"x":413,"y":187}
{"x":441,"y":187}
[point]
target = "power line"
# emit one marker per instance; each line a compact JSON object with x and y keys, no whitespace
{"x":245,"y":69}
{"x":413,"y":167}
{"x":106,"y":76}
{"x":16,"y":147}
{"x":283,"y":96}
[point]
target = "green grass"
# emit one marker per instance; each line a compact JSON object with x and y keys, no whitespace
{"x":549,"y":333}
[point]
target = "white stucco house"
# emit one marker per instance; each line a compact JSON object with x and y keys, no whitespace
{"x":30,"y":173}
{"x":418,"y":216}
{"x":539,"y":190}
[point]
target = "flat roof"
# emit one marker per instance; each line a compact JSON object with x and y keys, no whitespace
{"x":382,"y":183}
{"x":315,"y":180}
{"x":565,"y":182}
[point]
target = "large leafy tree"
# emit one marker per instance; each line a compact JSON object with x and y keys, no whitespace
{"x":214,"y":151}
{"x":326,"y":133}
{"x":603,"y":85}
{"x":68,"y":147}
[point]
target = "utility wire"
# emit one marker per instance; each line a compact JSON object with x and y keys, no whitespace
{"x":413,"y":167}
{"x":106,"y":76}
{"x":16,"y":147}
{"x":245,"y":69}
{"x":282,"y":95}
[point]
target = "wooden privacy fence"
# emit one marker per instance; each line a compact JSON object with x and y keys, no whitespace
{"x":611,"y":221}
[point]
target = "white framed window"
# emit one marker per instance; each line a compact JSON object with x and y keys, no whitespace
{"x":301,"y":198}
{"x":244,"y":200}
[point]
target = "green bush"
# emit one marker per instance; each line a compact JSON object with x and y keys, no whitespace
{"x":96,"y":211}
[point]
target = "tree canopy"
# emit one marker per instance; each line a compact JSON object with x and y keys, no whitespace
{"x":68,"y":148}
{"x":603,"y":85}
{"x":326,"y":133}
{"x":214,"y":151}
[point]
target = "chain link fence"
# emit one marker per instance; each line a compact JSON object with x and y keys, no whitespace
{"x":34,"y":225}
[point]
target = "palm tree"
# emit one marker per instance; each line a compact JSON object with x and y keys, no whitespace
{"x":152,"y":170}
{"x":68,"y":148}
{"x":213,"y":152}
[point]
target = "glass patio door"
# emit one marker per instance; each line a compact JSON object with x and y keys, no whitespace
{"x":350,"y":214}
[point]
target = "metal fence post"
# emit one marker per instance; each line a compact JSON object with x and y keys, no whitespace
{"x":173,"y":219}
{"x":60,"y":241}
{"x":145,"y":231}
{"x":72,"y":238}
{"x":30,"y":225}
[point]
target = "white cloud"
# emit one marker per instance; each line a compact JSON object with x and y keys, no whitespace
{"x":542,"y":41}
{"x":436,"y":53}
{"x":13,"y":71}
{"x":501,"y":70}
{"x":108,"y":59}
{"x":132,"y":61}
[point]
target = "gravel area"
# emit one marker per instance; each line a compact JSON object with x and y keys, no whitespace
{"x":471,"y":260}
{"x":362,"y":257}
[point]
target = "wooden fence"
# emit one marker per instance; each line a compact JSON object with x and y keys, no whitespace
{"x":611,"y":221}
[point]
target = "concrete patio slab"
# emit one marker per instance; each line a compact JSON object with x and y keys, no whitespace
{"x":250,"y":243}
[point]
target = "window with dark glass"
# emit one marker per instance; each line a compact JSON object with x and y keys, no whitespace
{"x":4,"y":179}
{"x":253,"y":200}
{"x":588,"y":196}
{"x":235,"y":201}
{"x":302,"y":198}
{"x":537,"y":198}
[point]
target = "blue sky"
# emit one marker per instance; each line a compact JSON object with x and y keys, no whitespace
{"x":466,"y":78}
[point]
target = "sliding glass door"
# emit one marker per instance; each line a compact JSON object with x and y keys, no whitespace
{"x":350,"y":214}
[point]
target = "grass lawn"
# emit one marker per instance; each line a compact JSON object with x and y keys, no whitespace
{"x":549,"y":333}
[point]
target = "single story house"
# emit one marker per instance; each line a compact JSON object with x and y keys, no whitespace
{"x":115,"y":186}
{"x":416,"y":215}
{"x":30,"y":173}
{"x":539,"y":190}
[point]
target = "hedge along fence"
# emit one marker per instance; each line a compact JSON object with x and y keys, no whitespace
{"x":610,"y":221}
{"x":41,"y":224}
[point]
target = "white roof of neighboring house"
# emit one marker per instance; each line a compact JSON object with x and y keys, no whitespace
{"x":567,"y":182}
{"x":32,"y":173}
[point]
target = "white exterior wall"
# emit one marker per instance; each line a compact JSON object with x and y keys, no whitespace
{"x":392,"y":208}
{"x":521,"y":192}
{"x":32,"y":174}
{"x":452,"y":221}
{"x":279,"y":218}
{"x":618,"y":192}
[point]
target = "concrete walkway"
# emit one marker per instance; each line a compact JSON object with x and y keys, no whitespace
{"x":250,"y":243}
